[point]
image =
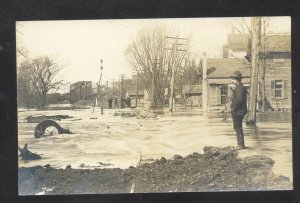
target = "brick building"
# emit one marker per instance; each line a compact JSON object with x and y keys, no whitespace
{"x":81,"y":90}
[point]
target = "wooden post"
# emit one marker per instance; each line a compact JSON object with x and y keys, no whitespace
{"x":122,"y":90}
{"x":113,"y":87}
{"x":175,"y":61}
{"x":152,"y":85}
{"x":204,"y":84}
{"x":255,"y":36}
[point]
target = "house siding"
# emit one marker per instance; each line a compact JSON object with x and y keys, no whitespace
{"x":194,"y":100}
{"x":280,"y":71}
{"x":213,"y":93}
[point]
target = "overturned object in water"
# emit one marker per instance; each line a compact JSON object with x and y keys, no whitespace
{"x":25,"y":154}
{"x":42,"y":126}
{"x":37,"y":119}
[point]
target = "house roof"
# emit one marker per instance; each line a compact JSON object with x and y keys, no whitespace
{"x":81,"y":82}
{"x":238,"y":42}
{"x":278,"y":43}
{"x":224,"y":67}
{"x":274,"y":42}
{"x":192,"y":89}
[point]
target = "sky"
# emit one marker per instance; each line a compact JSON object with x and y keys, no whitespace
{"x":79,"y":45}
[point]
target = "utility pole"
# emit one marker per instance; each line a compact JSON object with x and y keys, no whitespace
{"x":120,"y":93}
{"x":173,"y":74}
{"x":101,"y":99}
{"x":137,"y":89}
{"x":174,"y":49}
{"x":98,"y":90}
{"x":122,"y":90}
{"x":121,"y":100}
{"x":153,"y":70}
{"x":204,"y":84}
{"x":113,"y":87}
{"x":263,"y":67}
{"x":255,"y":50}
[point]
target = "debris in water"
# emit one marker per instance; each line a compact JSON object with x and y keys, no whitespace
{"x":37,"y":119}
{"x":42,"y":126}
{"x":25,"y":154}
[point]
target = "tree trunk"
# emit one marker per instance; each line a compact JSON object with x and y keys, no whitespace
{"x":255,"y":50}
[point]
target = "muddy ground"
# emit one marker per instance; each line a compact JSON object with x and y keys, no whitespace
{"x":217,"y":169}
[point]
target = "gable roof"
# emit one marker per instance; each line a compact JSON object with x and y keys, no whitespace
{"x":278,"y":43}
{"x":238,"y":42}
{"x":224,"y":67}
{"x":274,"y":42}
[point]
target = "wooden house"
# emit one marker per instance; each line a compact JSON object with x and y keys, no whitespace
{"x":219,"y":71}
{"x":275,"y":61}
{"x":134,"y":95}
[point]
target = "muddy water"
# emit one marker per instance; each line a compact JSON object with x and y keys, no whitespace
{"x":112,"y":141}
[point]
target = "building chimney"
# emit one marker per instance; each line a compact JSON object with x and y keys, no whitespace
{"x":225,"y":51}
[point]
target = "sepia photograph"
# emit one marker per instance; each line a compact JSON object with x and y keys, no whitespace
{"x":159,"y":105}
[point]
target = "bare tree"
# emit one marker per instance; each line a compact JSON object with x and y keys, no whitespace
{"x":148,"y":56}
{"x":188,"y":75}
{"x":25,"y":91}
{"x":39,"y":76}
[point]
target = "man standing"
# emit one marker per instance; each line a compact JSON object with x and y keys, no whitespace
{"x":238,"y":107}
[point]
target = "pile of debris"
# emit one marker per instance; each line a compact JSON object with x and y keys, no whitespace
{"x":139,"y":113}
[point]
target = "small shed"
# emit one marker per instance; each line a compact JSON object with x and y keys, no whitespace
{"x":192,"y":94}
{"x":133,"y":95}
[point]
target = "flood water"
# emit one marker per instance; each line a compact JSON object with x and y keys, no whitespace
{"x":113,"y":141}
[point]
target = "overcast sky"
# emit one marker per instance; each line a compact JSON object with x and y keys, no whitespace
{"x":79,"y":45}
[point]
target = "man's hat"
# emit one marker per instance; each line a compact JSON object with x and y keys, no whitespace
{"x":237,"y":74}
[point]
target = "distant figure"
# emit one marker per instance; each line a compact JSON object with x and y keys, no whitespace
{"x":238,"y":107}
{"x":115,"y":102}
{"x":122,"y":103}
{"x":101,"y":107}
{"x":25,"y":154}
{"x":110,"y":100}
{"x":129,"y":102}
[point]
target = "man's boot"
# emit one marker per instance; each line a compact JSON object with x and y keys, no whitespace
{"x":240,"y":138}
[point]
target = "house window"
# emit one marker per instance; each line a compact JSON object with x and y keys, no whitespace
{"x":279,"y":89}
{"x":224,"y":91}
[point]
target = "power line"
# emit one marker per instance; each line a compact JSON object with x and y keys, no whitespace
{"x":174,"y":49}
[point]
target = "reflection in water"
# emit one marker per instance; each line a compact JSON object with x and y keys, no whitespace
{"x":121,"y":141}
